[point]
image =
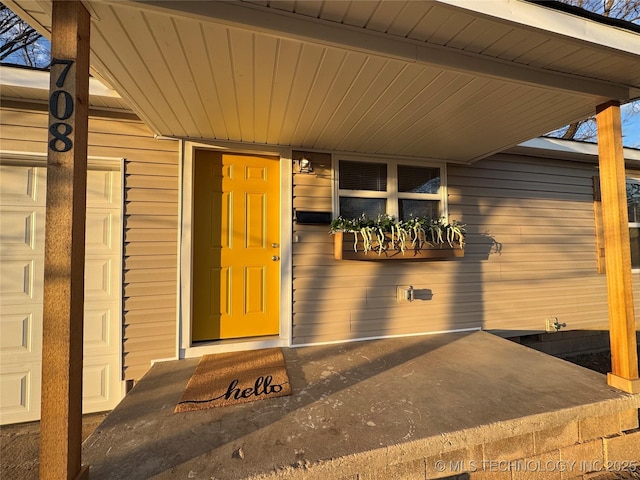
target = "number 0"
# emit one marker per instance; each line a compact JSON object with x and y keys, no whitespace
{"x":54,"y":104}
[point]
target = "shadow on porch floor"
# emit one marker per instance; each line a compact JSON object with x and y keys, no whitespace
{"x":378,"y":409}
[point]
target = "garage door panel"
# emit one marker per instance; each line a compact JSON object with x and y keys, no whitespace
{"x":101,"y":333}
{"x":20,"y":334}
{"x":21,"y":231}
{"x":103,"y":188}
{"x":100,"y":280}
{"x":20,"y":392}
{"x":20,"y":280}
{"x":100,"y":384}
{"x":102,"y":232}
{"x":22,"y":185}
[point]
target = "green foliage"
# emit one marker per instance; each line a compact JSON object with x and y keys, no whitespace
{"x":387,"y":233}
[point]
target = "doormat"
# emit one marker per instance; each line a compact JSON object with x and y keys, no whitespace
{"x":239,"y":377}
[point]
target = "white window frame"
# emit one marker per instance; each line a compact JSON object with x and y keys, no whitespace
{"x":391,"y":194}
{"x":633,"y":224}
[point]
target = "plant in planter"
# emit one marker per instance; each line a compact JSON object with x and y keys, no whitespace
{"x":417,"y":237}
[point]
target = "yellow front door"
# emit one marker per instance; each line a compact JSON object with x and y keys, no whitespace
{"x":236,"y":247}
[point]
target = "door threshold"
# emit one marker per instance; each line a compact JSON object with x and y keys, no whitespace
{"x":232,"y":345}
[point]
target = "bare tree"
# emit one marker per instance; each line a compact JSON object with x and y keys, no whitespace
{"x":628,"y":10}
{"x":19,"y":42}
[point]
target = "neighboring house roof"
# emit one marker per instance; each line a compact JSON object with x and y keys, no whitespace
{"x":32,"y":84}
{"x":570,"y":150}
{"x":455,"y":80}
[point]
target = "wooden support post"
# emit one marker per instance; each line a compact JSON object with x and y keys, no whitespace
{"x":61,"y":415}
{"x":622,"y":327}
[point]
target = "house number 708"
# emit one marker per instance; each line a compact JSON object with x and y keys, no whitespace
{"x":61,"y":108}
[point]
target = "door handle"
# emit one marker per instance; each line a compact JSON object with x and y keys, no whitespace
{"x":275,"y":258}
{"x":274,"y":245}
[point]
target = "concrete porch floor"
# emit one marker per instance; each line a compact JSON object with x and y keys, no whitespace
{"x":376,"y":409}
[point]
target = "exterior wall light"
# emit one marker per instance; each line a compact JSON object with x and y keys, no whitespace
{"x":305,"y":165}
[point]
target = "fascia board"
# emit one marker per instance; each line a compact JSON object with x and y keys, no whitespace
{"x":547,"y":20}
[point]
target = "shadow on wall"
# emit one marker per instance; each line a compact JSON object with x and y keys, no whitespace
{"x":341,"y":300}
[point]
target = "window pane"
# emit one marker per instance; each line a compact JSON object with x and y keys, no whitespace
{"x":419,"y":208}
{"x":418,"y":179}
{"x":363,"y":176}
{"x":633,"y":200}
{"x":634,"y":236}
{"x":352,"y":207}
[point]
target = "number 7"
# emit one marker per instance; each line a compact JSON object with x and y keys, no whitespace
{"x":65,"y":70}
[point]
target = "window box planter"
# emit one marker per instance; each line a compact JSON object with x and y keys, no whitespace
{"x":384,"y":238}
{"x":343,"y":249}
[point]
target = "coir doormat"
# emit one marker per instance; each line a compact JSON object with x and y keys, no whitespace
{"x":238,"y":377}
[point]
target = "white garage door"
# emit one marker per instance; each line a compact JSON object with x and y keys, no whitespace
{"x":22,"y":215}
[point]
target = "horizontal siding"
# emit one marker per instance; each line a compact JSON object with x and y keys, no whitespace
{"x":530,"y":255}
{"x":151,"y":260}
{"x":25,"y":130}
{"x":150,"y":212}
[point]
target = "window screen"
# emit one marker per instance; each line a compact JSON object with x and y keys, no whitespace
{"x":418,"y":179}
{"x":363,"y":176}
{"x":353,"y":207}
{"x":633,"y":200}
{"x":634,"y":238}
{"x":419,"y":208}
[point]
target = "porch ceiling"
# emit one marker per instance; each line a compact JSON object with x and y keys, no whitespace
{"x":413,"y":78}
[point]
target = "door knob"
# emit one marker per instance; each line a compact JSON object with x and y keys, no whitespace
{"x":275,"y":258}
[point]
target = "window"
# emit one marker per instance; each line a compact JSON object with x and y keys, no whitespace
{"x":633,"y":203}
{"x":399,"y":188}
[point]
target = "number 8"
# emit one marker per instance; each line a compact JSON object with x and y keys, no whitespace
{"x":60,"y":137}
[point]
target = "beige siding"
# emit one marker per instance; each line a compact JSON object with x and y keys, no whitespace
{"x":150,"y":213}
{"x":530,"y":255}
{"x":151,"y":259}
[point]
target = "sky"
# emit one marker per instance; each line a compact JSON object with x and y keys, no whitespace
{"x":631,"y":127}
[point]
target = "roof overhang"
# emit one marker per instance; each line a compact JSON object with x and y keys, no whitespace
{"x":450,"y":80}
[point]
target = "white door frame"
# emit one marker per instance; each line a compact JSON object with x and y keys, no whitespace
{"x":185,"y":271}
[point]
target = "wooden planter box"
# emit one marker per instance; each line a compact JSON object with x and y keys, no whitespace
{"x":343,"y":250}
